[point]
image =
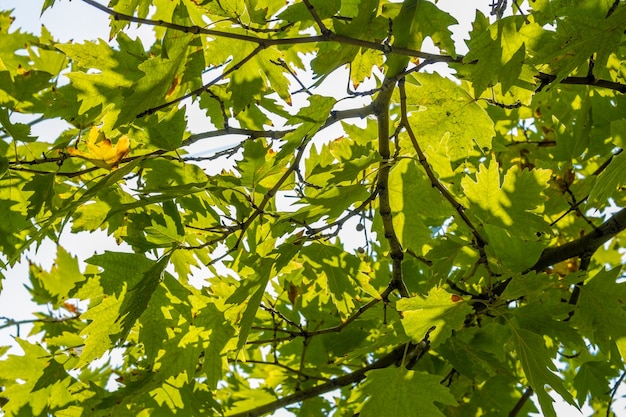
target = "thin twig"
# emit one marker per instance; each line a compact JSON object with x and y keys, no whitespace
{"x":323,"y":29}
{"x":9,"y":322}
{"x":614,"y":392}
{"x":520,"y":403}
{"x":202,"y":89}
{"x":460,"y":209}
{"x":280,"y":365}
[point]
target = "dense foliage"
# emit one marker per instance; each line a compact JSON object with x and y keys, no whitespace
{"x":453,"y":250}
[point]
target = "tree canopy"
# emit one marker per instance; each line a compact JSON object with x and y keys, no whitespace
{"x":454,"y":250}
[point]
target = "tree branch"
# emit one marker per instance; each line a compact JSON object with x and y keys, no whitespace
{"x":584,"y":246}
{"x":518,"y":406}
{"x":9,"y":322}
{"x":546,"y":79}
{"x":394,"y":357}
{"x":382,"y":113}
{"x":265,"y":42}
{"x":202,"y":89}
{"x":323,"y":29}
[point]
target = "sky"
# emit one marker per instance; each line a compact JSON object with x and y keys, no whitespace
{"x":76,"y":21}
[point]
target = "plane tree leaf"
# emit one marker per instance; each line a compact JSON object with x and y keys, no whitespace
{"x":443,"y":115}
{"x":399,"y":392}
{"x":437,"y":314}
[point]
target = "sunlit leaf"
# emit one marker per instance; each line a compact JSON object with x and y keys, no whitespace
{"x":100,"y":151}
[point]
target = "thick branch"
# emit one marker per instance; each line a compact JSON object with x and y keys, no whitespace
{"x":271,"y":134}
{"x":546,"y":79}
{"x":394,"y":357}
{"x":382,"y":113}
{"x":584,"y":246}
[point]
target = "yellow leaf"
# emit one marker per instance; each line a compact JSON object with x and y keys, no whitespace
{"x":101,"y":152}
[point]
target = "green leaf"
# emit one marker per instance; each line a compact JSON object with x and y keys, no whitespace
{"x":430,"y":21}
{"x":4,"y":166}
{"x":582,"y":32}
{"x":118,"y":69}
{"x":333,"y":268}
{"x":12,"y":43}
{"x":508,"y":202}
{"x":397,"y":392}
{"x":137,"y":297}
{"x":62,"y":278}
{"x":499,"y":51}
{"x":593,"y":378}
{"x":600,"y":309}
{"x":363,"y":64}
{"x":101,"y":334}
{"x":260,"y":165}
{"x":414,"y":204}
{"x":30,"y":367}
{"x":512,"y":253}
{"x":116,"y":265}
{"x":539,"y":369}
{"x":447,"y":117}
{"x":251,"y":290}
{"x":180,"y":175}
{"x":42,"y":187}
{"x":609,"y":181}
{"x":166,"y":130}
{"x":18,"y":131}
{"x":445,"y":311}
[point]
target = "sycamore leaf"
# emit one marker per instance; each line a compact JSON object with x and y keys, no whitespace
{"x":362,"y":65}
{"x":397,"y":392}
{"x":251,"y":290}
{"x":583,"y":32}
{"x":512,"y":253}
{"x":508,"y":202}
{"x":31,"y":368}
{"x":539,"y":370}
{"x":43,"y":193}
{"x":601,"y":309}
{"x":447,"y":118}
{"x":18,"y":131}
{"x":613,"y":177}
{"x":137,"y":298}
{"x":101,"y":152}
{"x":499,"y":52}
{"x":103,"y":330}
{"x":445,"y":311}
{"x":414,"y":204}
{"x":62,"y":278}
{"x":333,"y":267}
{"x":593,"y":378}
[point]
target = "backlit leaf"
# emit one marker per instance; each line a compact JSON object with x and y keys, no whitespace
{"x":100,"y":151}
